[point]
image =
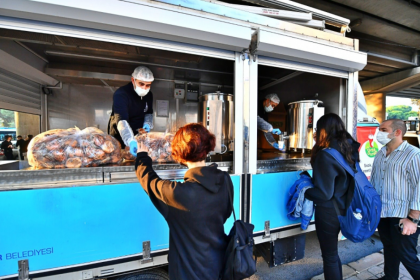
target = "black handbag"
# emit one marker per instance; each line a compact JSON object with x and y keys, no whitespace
{"x":239,"y":261}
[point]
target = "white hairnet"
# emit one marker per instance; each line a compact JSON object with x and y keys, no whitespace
{"x":273,"y":97}
{"x":143,"y":73}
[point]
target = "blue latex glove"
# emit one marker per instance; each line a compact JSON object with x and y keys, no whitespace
{"x":276,"y":131}
{"x":276,"y":145}
{"x":146,"y":127}
{"x":133,"y":147}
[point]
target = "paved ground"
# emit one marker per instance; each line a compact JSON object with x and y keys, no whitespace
{"x":311,"y":265}
{"x":370,"y":267}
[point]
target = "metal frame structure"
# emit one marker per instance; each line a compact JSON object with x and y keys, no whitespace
{"x":223,"y":34}
{"x":214,"y":35}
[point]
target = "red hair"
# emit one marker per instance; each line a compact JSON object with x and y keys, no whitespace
{"x":192,"y":143}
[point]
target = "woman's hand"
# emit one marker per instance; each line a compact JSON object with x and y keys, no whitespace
{"x":141,"y":147}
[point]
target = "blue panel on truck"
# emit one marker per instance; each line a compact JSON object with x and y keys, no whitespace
{"x":269,"y":198}
{"x":60,"y":227}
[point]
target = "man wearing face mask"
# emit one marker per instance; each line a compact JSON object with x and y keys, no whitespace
{"x":132,"y":109}
{"x":265,"y":107}
{"x":396,"y":177}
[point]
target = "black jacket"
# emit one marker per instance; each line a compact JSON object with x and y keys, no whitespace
{"x":128,"y":106}
{"x":331,"y":180}
{"x":195,"y":211}
{"x":5,"y":146}
{"x":23,"y":145}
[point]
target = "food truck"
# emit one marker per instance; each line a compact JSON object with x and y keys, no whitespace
{"x":63,"y":60}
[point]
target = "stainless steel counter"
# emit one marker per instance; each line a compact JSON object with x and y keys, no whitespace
{"x":52,"y":178}
{"x":280,"y":162}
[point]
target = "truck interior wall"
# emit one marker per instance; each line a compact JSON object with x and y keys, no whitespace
{"x":86,"y":105}
{"x":163,"y":90}
{"x":305,"y":86}
{"x":79,"y":105}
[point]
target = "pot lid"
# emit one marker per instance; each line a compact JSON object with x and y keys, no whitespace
{"x":218,"y":93}
{"x":306,"y":101}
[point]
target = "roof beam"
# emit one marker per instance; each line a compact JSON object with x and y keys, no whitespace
{"x":400,"y":12}
{"x":392,"y":82}
{"x":371,"y":24}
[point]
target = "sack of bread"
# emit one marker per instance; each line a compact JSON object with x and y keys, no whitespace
{"x":158,"y":145}
{"x":73,"y":148}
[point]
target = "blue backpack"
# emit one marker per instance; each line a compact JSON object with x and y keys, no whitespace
{"x":363,"y":215}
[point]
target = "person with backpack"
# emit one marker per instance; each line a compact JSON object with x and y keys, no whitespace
{"x":396,"y":177}
{"x":331,"y":183}
{"x":195,"y":209}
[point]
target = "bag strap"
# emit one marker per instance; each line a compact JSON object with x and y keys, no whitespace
{"x":340,"y":159}
{"x":230,"y":195}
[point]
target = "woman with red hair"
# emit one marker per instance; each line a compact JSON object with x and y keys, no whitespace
{"x":195,"y":209}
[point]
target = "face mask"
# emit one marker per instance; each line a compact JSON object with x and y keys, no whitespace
{"x":382,"y":137}
{"x":141,"y":92}
{"x":269,"y":108}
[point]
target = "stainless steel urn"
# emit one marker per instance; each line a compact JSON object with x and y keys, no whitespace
{"x":303,"y":116}
{"x":217,"y":115}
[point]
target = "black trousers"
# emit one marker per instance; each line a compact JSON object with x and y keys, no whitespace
{"x":398,"y":249}
{"x":9,"y":155}
{"x":327,"y":230}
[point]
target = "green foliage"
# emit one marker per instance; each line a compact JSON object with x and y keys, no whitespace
{"x":400,"y":112}
{"x":7,"y":118}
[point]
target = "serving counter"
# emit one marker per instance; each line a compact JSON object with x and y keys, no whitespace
{"x":281,"y":162}
{"x":49,"y":178}
{"x":30,"y":177}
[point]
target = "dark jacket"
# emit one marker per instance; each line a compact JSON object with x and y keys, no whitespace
{"x":128,"y":106}
{"x":195,"y":211}
{"x":23,"y":145}
{"x":331,"y":180}
{"x":8,"y":152}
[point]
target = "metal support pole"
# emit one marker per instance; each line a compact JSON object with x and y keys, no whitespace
{"x":44,"y":112}
{"x":351,"y":110}
{"x":253,"y":113}
{"x":238,"y":153}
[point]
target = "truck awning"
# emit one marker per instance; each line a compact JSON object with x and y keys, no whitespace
{"x":187,"y":29}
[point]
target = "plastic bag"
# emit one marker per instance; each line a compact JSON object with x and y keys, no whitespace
{"x":73,"y":148}
{"x":159,"y":145}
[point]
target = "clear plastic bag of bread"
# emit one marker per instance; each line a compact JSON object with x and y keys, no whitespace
{"x":73,"y":148}
{"x":158,"y":144}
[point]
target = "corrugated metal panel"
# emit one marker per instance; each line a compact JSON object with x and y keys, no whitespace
{"x":292,"y":65}
{"x":19,"y":94}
